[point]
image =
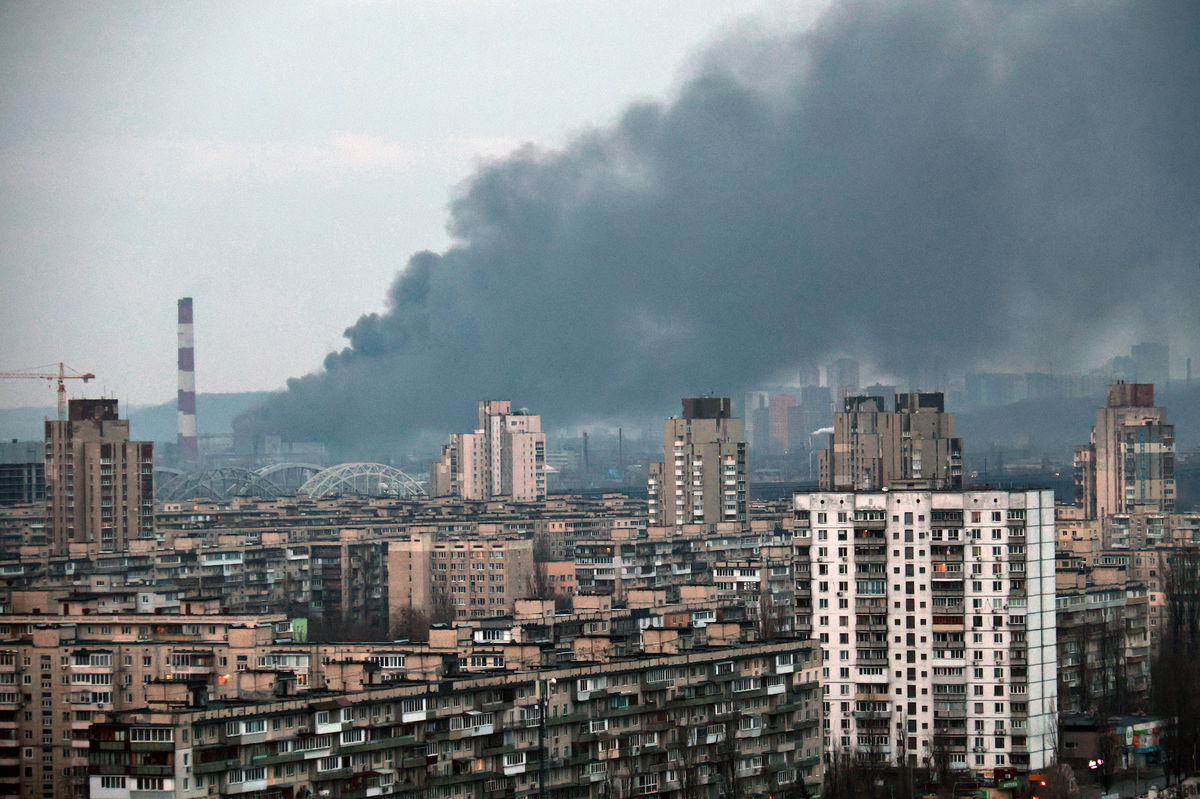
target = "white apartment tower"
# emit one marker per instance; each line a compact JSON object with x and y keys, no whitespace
{"x":504,"y":458}
{"x":703,"y":474}
{"x":935,"y":611}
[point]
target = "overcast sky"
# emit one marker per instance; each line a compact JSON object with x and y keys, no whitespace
{"x":277,"y":162}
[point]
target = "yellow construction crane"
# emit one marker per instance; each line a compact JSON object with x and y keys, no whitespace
{"x":60,"y":377}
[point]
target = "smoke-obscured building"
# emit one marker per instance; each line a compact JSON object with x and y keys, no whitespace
{"x":843,"y":378}
{"x":703,"y":474}
{"x":100,"y":484}
{"x":936,"y":614}
{"x":1129,"y":464}
{"x":505,"y":458}
{"x":1151,"y":363}
{"x":872,"y":446}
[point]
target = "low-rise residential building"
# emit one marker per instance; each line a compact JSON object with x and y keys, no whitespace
{"x":740,"y":720}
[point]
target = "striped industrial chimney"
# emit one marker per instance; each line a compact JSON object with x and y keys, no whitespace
{"x":189,"y":449}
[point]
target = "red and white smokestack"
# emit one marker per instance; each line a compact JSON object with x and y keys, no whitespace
{"x":189,"y":449}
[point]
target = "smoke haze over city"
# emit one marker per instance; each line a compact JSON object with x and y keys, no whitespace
{"x":938,"y":183}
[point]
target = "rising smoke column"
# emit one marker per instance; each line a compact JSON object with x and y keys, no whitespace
{"x":971,"y":182}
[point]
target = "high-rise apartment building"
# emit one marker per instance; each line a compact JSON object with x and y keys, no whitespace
{"x":100,"y":484}
{"x":936,"y":613}
{"x":871,"y":446}
{"x":781,"y":405}
{"x":22,"y":472}
{"x":1129,"y":464}
{"x":505,"y":458}
{"x":703,"y":474}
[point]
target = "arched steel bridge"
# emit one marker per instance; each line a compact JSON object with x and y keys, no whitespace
{"x":218,"y":485}
{"x":362,"y":479}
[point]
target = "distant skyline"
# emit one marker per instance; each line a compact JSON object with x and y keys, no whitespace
{"x":278,"y":162}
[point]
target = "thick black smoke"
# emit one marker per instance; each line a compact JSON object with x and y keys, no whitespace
{"x":960,"y":182}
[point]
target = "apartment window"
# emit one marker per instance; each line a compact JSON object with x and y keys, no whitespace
{"x":329,"y":763}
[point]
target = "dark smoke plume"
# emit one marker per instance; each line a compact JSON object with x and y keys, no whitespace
{"x":962,"y":182}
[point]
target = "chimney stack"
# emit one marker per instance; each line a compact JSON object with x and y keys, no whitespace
{"x":189,"y":449}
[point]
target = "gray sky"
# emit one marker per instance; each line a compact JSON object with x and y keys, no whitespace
{"x":278,"y":162}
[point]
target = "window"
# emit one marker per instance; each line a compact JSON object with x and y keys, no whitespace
{"x":247,"y":775}
{"x":112,"y":783}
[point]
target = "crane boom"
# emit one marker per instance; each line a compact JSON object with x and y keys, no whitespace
{"x":60,"y":377}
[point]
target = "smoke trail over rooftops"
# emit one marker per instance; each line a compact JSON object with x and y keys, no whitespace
{"x":965,"y":181}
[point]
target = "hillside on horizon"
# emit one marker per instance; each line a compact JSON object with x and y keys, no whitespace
{"x":215,"y":414}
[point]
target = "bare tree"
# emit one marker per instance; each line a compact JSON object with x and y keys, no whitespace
{"x":542,"y":549}
{"x":539,"y":584}
{"x":1178,"y":661}
{"x":1108,"y":751}
{"x":441,"y":607}
{"x":413,"y":624}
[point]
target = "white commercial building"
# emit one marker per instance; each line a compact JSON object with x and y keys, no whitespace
{"x":935,"y":610}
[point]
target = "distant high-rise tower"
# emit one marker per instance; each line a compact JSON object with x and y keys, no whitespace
{"x":843,"y":378}
{"x":871,"y":447}
{"x":703,"y":474}
{"x":1129,"y":464}
{"x":504,"y":458}
{"x":189,"y":448}
{"x":100,"y":484}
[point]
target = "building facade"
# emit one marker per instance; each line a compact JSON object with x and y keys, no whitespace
{"x":872,"y":446}
{"x":22,"y":472}
{"x":99,"y":483}
{"x":935,"y":611}
{"x":738,"y":720}
{"x":1129,"y":464}
{"x":466,"y":579}
{"x":703,"y":475}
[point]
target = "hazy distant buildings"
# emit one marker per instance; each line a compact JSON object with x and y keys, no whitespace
{"x":703,"y":474}
{"x":781,"y":405}
{"x":843,"y":377}
{"x":872,"y":446}
{"x":22,"y":472}
{"x":504,"y":458}
{"x":815,"y":412}
{"x":100,"y":484}
{"x":936,"y":614}
{"x":1129,"y":464}
{"x":1151,"y":363}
